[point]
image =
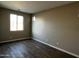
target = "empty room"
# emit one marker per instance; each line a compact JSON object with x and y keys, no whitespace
{"x":39,"y":29}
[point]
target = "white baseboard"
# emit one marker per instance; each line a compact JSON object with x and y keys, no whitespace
{"x":58,"y":48}
{"x":15,"y":40}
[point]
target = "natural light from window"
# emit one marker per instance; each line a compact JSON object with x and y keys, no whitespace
{"x":16,"y":22}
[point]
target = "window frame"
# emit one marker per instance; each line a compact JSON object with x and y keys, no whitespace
{"x":17,"y":29}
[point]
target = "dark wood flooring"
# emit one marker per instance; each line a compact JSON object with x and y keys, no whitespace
{"x":30,"y":49}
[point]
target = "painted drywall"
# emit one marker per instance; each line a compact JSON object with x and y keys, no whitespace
{"x":5,"y":33}
{"x":58,"y":27}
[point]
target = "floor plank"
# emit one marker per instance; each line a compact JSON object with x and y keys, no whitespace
{"x":30,"y":49}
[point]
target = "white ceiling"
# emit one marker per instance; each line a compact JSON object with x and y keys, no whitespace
{"x":32,"y":6}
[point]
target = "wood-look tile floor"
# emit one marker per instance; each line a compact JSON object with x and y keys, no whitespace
{"x":30,"y":49}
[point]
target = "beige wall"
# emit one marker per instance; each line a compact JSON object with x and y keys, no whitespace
{"x":5,"y":33}
{"x":59,"y":27}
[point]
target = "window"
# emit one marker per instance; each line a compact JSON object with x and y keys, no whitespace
{"x":16,"y":22}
